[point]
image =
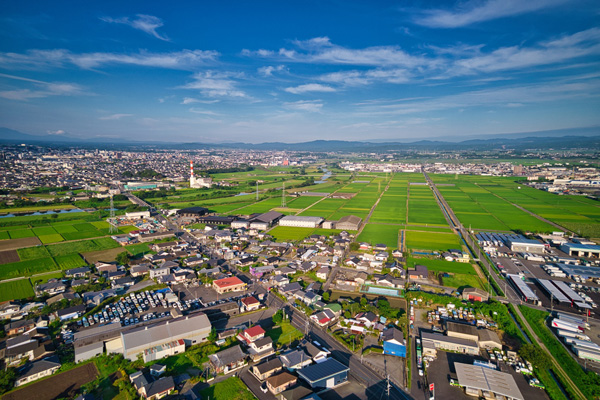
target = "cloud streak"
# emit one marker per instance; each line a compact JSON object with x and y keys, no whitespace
{"x":216,"y":84}
{"x":61,"y":58}
{"x":309,"y":87}
{"x":473,"y":12}
{"x":145,"y":23}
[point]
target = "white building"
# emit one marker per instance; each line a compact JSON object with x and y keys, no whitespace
{"x":300,"y":222}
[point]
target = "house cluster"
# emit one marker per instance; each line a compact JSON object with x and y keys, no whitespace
{"x":295,"y":374}
{"x":351,"y":280}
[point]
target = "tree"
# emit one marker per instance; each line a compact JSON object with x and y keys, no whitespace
{"x":213,"y":335}
{"x":363,"y":302}
{"x":7,"y":379}
{"x":278,"y":317}
{"x":535,"y":355}
{"x":326,"y":296}
{"x":123,"y":258}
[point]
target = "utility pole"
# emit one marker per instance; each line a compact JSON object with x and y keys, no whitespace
{"x":111,"y":221}
{"x":283,"y":205}
{"x":257,"y":190}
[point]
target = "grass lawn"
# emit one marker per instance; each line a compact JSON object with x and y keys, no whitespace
{"x":16,"y":290}
{"x":285,"y":333}
{"x":126,"y":228}
{"x":230,"y":389}
{"x":46,"y":277}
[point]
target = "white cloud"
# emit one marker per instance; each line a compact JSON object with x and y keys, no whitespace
{"x":115,"y":117}
{"x":474,"y":11}
{"x":39,"y":59}
{"x":309,"y":87}
{"x":204,"y":112}
{"x":216,"y":84}
{"x":495,"y":97}
{"x":42,"y":89}
{"x":305,"y":105}
{"x":268,"y":71}
{"x":57,"y":132}
{"x":142,"y":22}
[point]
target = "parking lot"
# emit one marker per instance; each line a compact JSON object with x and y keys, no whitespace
{"x":440,"y":371}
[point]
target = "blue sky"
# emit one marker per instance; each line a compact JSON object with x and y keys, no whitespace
{"x":298,"y":70}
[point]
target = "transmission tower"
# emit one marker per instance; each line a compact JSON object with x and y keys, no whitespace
{"x":111,"y":219}
{"x":256,"y":190}
{"x":283,"y":205}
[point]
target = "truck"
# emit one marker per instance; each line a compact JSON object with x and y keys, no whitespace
{"x":574,"y":320}
{"x":567,"y":326}
{"x":564,"y":334}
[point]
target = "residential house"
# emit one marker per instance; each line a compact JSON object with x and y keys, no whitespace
{"x":20,"y":326}
{"x":266,"y":369}
{"x":77,"y":272}
{"x":250,"y":303}
{"x":393,"y":342}
{"x":231,"y":284}
{"x":290,"y":289}
{"x":367,"y":318}
{"x":33,"y":371}
{"x":317,"y":354}
{"x":280,"y":382}
{"x":51,"y":288}
{"x":279,"y":280}
{"x":322,"y":273}
{"x":295,"y":359}
{"x":327,"y":374}
{"x":158,"y":389}
{"x":71,"y":312}
{"x":105,"y":268}
{"x":420,"y":272}
{"x":324,"y":317}
{"x":227,"y":360}
{"x":139,"y":270}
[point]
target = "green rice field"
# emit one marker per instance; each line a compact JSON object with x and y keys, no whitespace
{"x":432,"y":241}
{"x":376,"y":233}
{"x":15,"y":290}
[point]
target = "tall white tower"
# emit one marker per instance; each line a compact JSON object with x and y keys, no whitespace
{"x":192,"y":178}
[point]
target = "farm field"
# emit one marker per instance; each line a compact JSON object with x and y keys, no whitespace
{"x":9,"y":256}
{"x":106,"y":255}
{"x":423,"y":208}
{"x":27,"y":268}
{"x":15,"y":290}
{"x":63,"y":385}
{"x":69,"y":261}
{"x":290,"y":233}
{"x":376,"y":233}
{"x":461,"y":281}
{"x":484,"y":202}
{"x":438,"y":265}
{"x":432,"y":241}
{"x":138,"y":249}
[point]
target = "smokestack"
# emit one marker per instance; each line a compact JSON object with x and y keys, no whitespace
{"x":191,"y":168}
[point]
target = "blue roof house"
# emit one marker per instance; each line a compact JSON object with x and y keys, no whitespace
{"x":393,"y":342}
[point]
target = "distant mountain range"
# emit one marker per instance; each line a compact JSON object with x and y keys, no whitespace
{"x":588,"y":138}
